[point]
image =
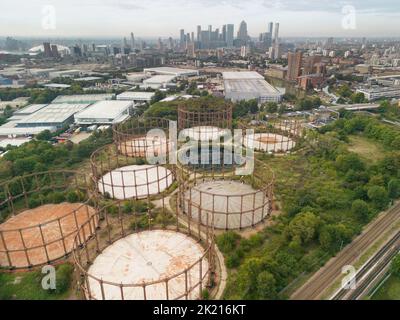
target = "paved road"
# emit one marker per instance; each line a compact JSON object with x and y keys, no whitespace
{"x":327,"y":275}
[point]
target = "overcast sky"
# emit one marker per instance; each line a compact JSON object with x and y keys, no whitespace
{"x":150,"y":18}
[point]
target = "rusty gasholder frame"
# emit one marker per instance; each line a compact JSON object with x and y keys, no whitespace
{"x":117,"y":224}
{"x":131,"y":138}
{"x":107,"y":159}
{"x":207,"y":115}
{"x":283,"y":131}
{"x":262,"y":180}
{"x":15,"y":196}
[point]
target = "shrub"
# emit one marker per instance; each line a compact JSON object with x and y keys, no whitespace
{"x":228,"y":241}
{"x":63,"y":278}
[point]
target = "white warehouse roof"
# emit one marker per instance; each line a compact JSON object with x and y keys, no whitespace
{"x":52,"y":114}
{"x":245,"y":75}
{"x":177,"y":72}
{"x":83,"y":98}
{"x":136,"y":96}
{"x":30,"y":109}
{"x":105,"y":112}
{"x":160,"y":79}
{"x":249,"y":85}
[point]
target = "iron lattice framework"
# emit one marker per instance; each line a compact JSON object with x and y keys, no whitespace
{"x":127,"y":179}
{"x":51,"y":240}
{"x":223,"y":210}
{"x":275,"y":136}
{"x":117,"y":224}
{"x":132,"y":139}
{"x":205,"y":115}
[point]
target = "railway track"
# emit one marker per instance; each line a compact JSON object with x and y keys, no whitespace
{"x":371,"y":270}
{"x":325,"y":277}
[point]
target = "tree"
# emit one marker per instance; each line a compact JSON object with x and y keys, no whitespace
{"x":303,"y":227}
{"x":44,"y":135}
{"x":357,"y":97}
{"x":351,"y":161}
{"x":332,"y":237}
{"x":266,"y":286}
{"x":344,"y":91}
{"x":271,"y":107}
{"x":228,"y":241}
{"x":379,"y":197}
{"x":394,"y":188}
{"x":247,"y":278}
{"x":360,"y":209}
{"x":158,"y":96}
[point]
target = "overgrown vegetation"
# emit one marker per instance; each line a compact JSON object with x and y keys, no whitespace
{"x":40,"y":156}
{"x":28,"y":285}
{"x":327,"y":194}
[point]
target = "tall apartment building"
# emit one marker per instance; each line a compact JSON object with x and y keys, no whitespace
{"x":230,"y":29}
{"x":294,"y":65}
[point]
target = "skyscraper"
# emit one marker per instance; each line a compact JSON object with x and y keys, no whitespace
{"x":182,"y":37}
{"x":276,"y":36}
{"x":230,"y":30}
{"x":294,"y":65}
{"x":242,"y":33}
{"x":198,"y":33}
{"x":270,"y":27}
{"x":47,"y":49}
{"x":132,"y":41}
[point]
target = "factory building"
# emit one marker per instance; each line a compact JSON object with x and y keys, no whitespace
{"x":248,"y":86}
{"x":136,"y":97}
{"x":84,"y":98}
{"x":55,"y":116}
{"x":176,"y":72}
{"x":159,"y":82}
{"x":105,"y":113}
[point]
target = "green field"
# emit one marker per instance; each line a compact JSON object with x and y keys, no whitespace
{"x":366,"y":148}
{"x":390,"y":290}
{"x":27,"y":285}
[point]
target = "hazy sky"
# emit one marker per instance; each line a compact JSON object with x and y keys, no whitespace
{"x":165,"y":17}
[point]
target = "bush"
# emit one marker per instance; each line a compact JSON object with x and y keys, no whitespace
{"x":34,"y":202}
{"x":228,"y":241}
{"x":379,"y":197}
{"x":72,"y":197}
{"x":63,"y":278}
{"x":55,"y":197}
{"x":394,"y":188}
{"x":360,"y":210}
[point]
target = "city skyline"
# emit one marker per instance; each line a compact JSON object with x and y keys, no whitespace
{"x":154,"y":19}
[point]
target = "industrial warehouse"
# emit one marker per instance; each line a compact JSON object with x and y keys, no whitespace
{"x":104,"y":113}
{"x":250,"y":85}
{"x":81,"y":110}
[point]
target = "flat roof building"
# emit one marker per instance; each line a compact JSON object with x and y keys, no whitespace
{"x":378,"y":92}
{"x":177,"y":72}
{"x":28,"y":110}
{"x":53,"y":115}
{"x":137,"y":97}
{"x":105,"y":113}
{"x":248,"y":86}
{"x":159,"y":81}
{"x":84,"y":98}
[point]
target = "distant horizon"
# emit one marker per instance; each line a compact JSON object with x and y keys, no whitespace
{"x":160,"y":18}
{"x":72,"y":37}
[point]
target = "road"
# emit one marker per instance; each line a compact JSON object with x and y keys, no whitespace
{"x":327,"y":275}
